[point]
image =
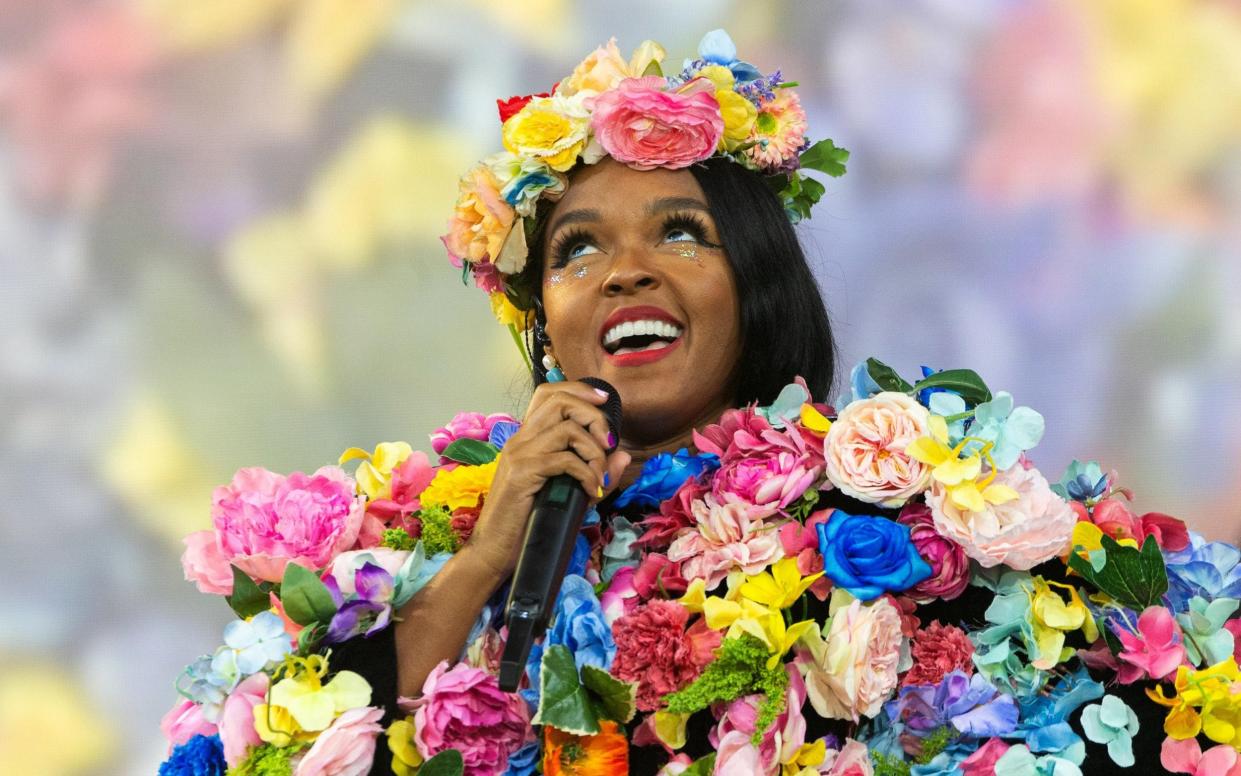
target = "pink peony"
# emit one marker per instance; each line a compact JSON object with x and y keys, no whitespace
{"x":346,"y":748}
{"x":264,"y":520}
{"x":184,"y":721}
{"x":237,"y":731}
{"x":463,"y":708}
{"x":950,"y":569}
{"x":865,"y":449}
{"x":654,"y":649}
{"x":937,"y":651}
{"x":733,"y":732}
{"x":855,"y":670}
{"x":1021,"y":534}
{"x":1154,"y":651}
{"x":852,"y":759}
{"x":760,"y":465}
{"x":982,"y":761}
{"x":467,"y":425}
{"x":1187,"y":757}
{"x":205,"y":565}
{"x":802,"y":542}
{"x":643,"y":125}
{"x":727,"y":537}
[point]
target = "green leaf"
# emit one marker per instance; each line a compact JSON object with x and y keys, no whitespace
{"x":247,"y":599}
{"x":825,"y":156}
{"x":564,"y":703}
{"x":306,"y":600}
{"x":703,"y":766}
{"x":653,"y":68}
{"x":446,"y":763}
{"x":471,"y":452}
{"x":310,"y":637}
{"x":886,"y":376}
{"x":614,"y":699}
{"x":1134,"y":578}
{"x":964,"y":381}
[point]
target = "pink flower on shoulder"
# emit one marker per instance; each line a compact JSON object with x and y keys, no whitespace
{"x":346,"y":748}
{"x":727,"y":536}
{"x":1155,"y":651}
{"x":646,"y":126}
{"x":467,"y":425}
{"x":760,"y":465}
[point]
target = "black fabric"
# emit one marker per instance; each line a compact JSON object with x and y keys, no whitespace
{"x":374,"y":658}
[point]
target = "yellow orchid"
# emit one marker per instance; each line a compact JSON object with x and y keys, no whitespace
{"x":670,"y":728}
{"x":374,"y":474}
{"x":781,"y":587}
{"x":276,"y":726}
{"x":806,"y":760}
{"x":312,"y":703}
{"x":695,"y":596}
{"x":1052,"y":618}
{"x":814,"y":421}
{"x":1209,"y":690}
{"x":405,"y":756}
{"x":761,"y":622}
{"x":1087,"y":538}
{"x":960,"y":476}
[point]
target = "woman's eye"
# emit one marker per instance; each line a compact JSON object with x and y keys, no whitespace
{"x":680,"y":235}
{"x":578,"y":250}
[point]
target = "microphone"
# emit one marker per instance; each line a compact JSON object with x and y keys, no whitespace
{"x":551,"y":533}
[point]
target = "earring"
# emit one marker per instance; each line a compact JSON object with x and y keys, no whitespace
{"x":552,"y":367}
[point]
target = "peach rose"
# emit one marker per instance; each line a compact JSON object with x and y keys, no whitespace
{"x":604,"y":68}
{"x":481,"y":219}
{"x":865,"y":449}
{"x":851,"y":673}
{"x":1034,"y":527}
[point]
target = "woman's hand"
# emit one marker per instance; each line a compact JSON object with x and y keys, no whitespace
{"x":564,"y":432}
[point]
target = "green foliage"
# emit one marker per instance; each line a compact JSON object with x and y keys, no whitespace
{"x":305,"y":598}
{"x":802,"y":507}
{"x":935,"y":743}
{"x":446,"y":763}
{"x":886,"y":376}
{"x":398,"y":539}
{"x":268,"y":760}
{"x":963,"y":381}
{"x":437,"y":533}
{"x":576,"y":704}
{"x":825,"y":156}
{"x":1133,"y":578}
{"x":886,"y":765}
{"x":471,"y":452}
{"x":703,"y":766}
{"x":247,"y":598}
{"x":615,"y":700}
{"x":740,"y":669}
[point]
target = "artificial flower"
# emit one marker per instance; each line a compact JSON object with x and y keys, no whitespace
{"x":760,"y":465}
{"x":956,"y":475}
{"x":1051,"y":618}
{"x":257,"y":643}
{"x":781,"y":741}
{"x":578,"y":624}
{"x":663,"y":474}
{"x":851,"y":670}
{"x":346,"y":748}
{"x":1154,"y":648}
{"x":950,"y":568}
{"x":982,"y":761}
{"x":405,"y":757}
{"x":739,"y":115}
{"x":728,"y":536}
{"x":312,"y":703}
{"x":481,"y":219}
{"x":1203,"y":703}
{"x":645,"y":125}
{"x":525,"y":181}
{"x":1114,"y":724}
{"x":462,"y":487}
{"x":184,"y":721}
{"x":869,"y":556}
{"x":1018,"y":760}
{"x":513,"y":105}
{"x":1209,"y":570}
{"x":205,"y":565}
{"x":851,"y":759}
{"x":368,"y":610}
{"x":237,"y":732}
{"x":778,"y":134}
{"x":937,"y":650}
{"x":1186,"y":756}
{"x":1207,"y":641}
{"x":199,"y":756}
{"x":601,"y":754}
{"x":780,"y":587}
{"x":801,"y":542}
{"x":1010,"y":430}
{"x":745,"y":616}
{"x":866,"y":449}
{"x":970,"y":704}
{"x":375,"y":471}
{"x":656,"y":651}
{"x":604,"y":68}
{"x":466,"y":425}
{"x":552,"y":130}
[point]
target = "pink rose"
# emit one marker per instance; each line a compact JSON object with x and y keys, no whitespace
{"x":237,"y":731}
{"x":467,"y":425}
{"x":727,"y":537}
{"x":205,"y":565}
{"x":1021,"y":534}
{"x":1154,"y":651}
{"x":760,"y":465}
{"x":645,"y":126}
{"x":346,"y":748}
{"x":264,"y":520}
{"x":982,"y":761}
{"x":463,"y":708}
{"x":950,"y":569}
{"x":853,"y":673}
{"x":852,"y":759}
{"x":865,"y":449}
{"x":733,"y":732}
{"x":654,"y":650}
{"x":184,"y":721}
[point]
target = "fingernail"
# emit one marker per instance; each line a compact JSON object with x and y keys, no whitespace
{"x":611,"y":439}
{"x":607,"y":479}
{"x":602,"y":393}
{"x":599,"y":493}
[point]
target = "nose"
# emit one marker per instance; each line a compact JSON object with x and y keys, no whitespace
{"x":632,"y":269}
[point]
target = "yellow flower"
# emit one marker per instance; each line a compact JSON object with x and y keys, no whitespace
{"x":1210,"y":690}
{"x":312,"y":703}
{"x":761,"y":622}
{"x":374,"y":474}
{"x":1052,"y":618}
{"x":959,"y":475}
{"x":779,"y":588}
{"x":604,"y":68}
{"x":276,"y":726}
{"x":552,"y":129}
{"x":670,"y":728}
{"x":805,"y":760}
{"x":814,"y":421}
{"x":508,"y":314}
{"x":461,"y":487}
{"x":405,"y":756}
{"x":738,"y":114}
{"x":695,"y":596}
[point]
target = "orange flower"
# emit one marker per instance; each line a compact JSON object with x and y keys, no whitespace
{"x":604,"y":754}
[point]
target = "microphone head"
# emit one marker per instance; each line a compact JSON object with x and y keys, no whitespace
{"x":611,"y":408}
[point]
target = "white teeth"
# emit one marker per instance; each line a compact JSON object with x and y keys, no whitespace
{"x":649,"y":327}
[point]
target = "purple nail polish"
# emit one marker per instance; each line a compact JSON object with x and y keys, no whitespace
{"x":611,"y":439}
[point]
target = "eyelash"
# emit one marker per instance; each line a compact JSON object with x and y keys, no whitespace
{"x":686,"y":222}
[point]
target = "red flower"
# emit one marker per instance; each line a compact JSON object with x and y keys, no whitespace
{"x":513,"y":105}
{"x":654,"y":649}
{"x":658,"y":575}
{"x":937,"y":651}
{"x":675,"y":513}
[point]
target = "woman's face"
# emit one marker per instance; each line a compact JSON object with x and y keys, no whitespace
{"x":638,"y":291}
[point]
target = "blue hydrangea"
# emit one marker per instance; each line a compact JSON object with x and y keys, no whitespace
{"x":579,"y":625}
{"x":200,"y":756}
{"x":1210,"y":570}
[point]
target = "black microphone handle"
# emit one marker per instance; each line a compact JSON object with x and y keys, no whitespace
{"x":550,"y":537}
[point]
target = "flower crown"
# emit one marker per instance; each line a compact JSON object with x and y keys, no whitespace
{"x":717,"y":105}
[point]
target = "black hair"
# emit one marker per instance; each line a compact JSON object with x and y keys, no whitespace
{"x":785,"y":331}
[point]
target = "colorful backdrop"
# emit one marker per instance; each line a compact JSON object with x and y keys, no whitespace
{"x":218,"y":248}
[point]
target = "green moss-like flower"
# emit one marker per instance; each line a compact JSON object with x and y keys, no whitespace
{"x":267,"y":760}
{"x":398,"y":539}
{"x":935,"y":743}
{"x":740,"y":669}
{"x":886,"y":765}
{"x":437,"y":533}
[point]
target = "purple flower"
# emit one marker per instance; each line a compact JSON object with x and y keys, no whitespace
{"x":367,"y":613}
{"x":970,"y":704}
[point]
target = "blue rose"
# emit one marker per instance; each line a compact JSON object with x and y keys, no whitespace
{"x":200,"y":756}
{"x":580,"y":626}
{"x":869,"y":556}
{"x":662,"y":475}
{"x":524,"y":761}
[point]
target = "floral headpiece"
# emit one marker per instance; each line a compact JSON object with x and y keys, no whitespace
{"x":717,"y":105}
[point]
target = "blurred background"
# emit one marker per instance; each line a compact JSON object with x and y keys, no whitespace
{"x":218,"y":248}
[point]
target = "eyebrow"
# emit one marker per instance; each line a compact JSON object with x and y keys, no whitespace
{"x":662,"y":205}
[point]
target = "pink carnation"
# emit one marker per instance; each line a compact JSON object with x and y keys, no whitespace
{"x":856,"y":670}
{"x":760,"y":465}
{"x":950,"y":569}
{"x":264,"y":520}
{"x":727,"y":537}
{"x":467,"y":425}
{"x":205,"y":565}
{"x":646,"y":126}
{"x":937,"y":651}
{"x":865,"y":449}
{"x":1021,"y":534}
{"x":463,"y":708}
{"x":184,"y":721}
{"x":346,"y":748}
{"x":1154,"y":651}
{"x":237,"y":731}
{"x":654,"y":649}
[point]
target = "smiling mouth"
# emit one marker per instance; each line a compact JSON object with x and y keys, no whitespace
{"x":641,"y":336}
